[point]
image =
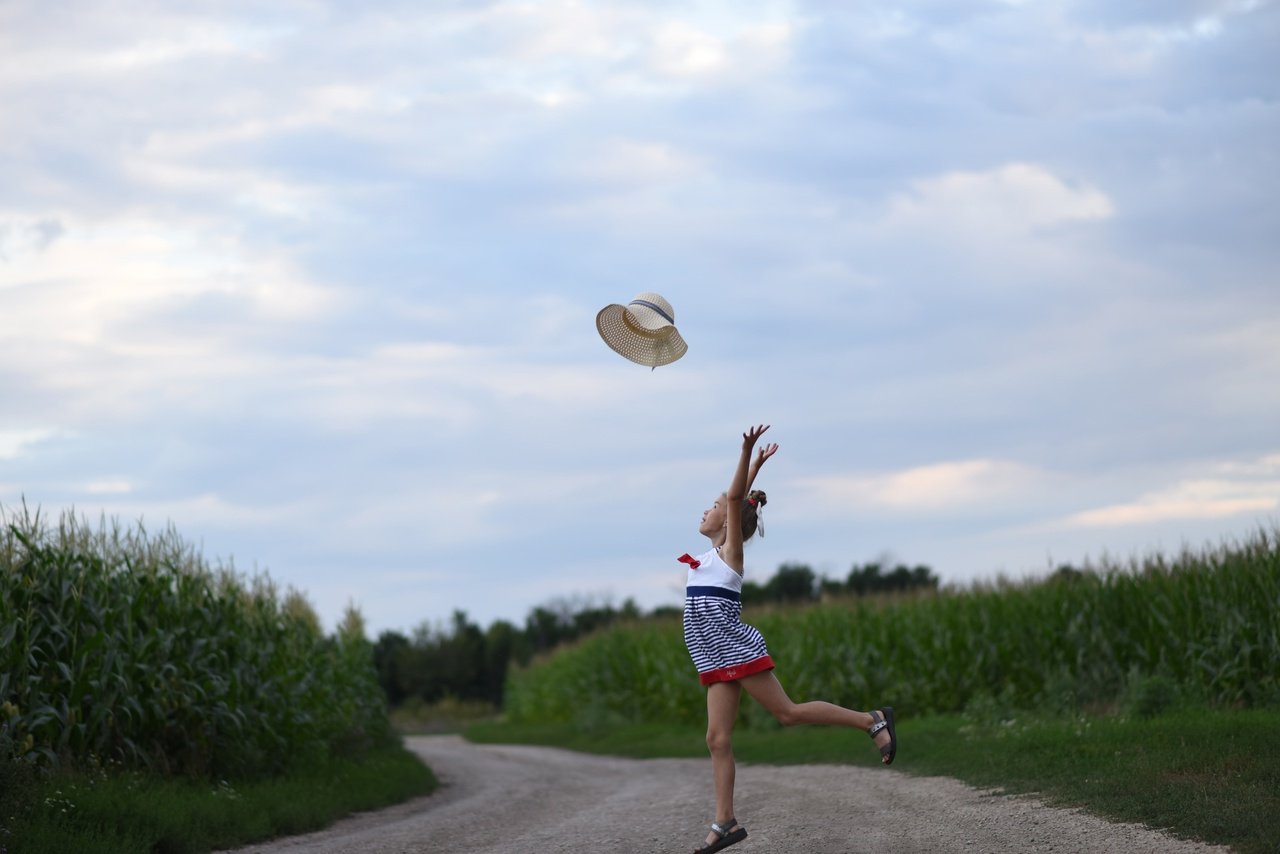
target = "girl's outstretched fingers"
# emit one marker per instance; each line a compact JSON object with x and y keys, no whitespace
{"x":765,"y":452}
{"x":754,"y":433}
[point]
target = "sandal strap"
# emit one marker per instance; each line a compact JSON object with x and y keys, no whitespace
{"x":879,"y":725}
{"x":723,"y":830}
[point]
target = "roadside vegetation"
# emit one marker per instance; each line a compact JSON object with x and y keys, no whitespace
{"x":143,"y":691}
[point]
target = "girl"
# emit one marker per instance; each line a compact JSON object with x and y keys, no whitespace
{"x":731,"y":656}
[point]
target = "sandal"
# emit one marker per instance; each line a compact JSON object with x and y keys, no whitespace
{"x":727,"y":837}
{"x":886,"y":720}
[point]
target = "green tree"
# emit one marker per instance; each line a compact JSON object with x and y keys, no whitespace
{"x":500,"y":645}
{"x":793,"y":582}
{"x":388,"y":660}
{"x":864,"y":579}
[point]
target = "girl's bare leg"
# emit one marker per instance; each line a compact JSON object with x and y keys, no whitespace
{"x":722,"y":713}
{"x":765,"y":689}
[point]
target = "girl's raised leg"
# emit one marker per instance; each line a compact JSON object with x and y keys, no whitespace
{"x":766,"y":690}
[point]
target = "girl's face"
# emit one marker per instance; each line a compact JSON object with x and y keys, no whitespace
{"x":713,"y":519}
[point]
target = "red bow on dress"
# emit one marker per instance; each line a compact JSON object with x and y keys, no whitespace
{"x":689,"y":559}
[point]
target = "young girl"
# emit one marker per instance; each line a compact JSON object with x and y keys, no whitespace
{"x":731,"y":656}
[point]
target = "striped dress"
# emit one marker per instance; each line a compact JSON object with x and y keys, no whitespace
{"x":723,"y":648}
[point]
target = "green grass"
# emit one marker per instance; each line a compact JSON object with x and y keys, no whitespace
{"x":1213,"y":776}
{"x":128,"y":812}
{"x":449,"y":715}
{"x":1208,"y":775}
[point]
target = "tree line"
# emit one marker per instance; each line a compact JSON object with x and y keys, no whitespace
{"x":797,"y":583}
{"x":461,"y":660}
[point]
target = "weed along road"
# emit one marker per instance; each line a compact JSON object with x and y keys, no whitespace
{"x":504,"y":799}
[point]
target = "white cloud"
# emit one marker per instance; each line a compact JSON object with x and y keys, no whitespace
{"x":1018,"y":224}
{"x":681,"y":50}
{"x":14,"y":442}
{"x":958,"y":486}
{"x":595,"y":50}
{"x":1140,"y":41}
{"x":120,"y":486}
{"x":554,"y":31}
{"x":684,"y":50}
{"x":24,"y":237}
{"x":122,"y":316}
{"x":633,"y":161}
{"x":139,"y":42}
{"x":1251,"y":488}
{"x":1013,"y":199}
{"x":1265,"y":466}
{"x":99,"y":272}
{"x":1205,"y":499}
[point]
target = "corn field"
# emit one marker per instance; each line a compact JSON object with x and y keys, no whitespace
{"x":1206,"y":623}
{"x":117,"y":647}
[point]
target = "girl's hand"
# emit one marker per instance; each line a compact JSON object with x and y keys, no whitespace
{"x":765,"y":452}
{"x":750,"y":437}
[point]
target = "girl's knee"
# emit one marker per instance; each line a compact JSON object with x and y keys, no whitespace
{"x":719,"y":741}
{"x":787,"y":715}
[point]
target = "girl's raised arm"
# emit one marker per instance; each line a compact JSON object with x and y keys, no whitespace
{"x":764,"y":453}
{"x":731,"y":550}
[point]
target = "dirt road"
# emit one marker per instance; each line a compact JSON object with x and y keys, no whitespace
{"x":503,"y":799}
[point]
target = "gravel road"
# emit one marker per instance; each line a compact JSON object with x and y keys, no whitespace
{"x":502,"y":799}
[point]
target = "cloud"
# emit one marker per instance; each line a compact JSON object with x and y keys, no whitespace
{"x":126,"y":314}
{"x":1241,"y":488}
{"x":1162,"y":15}
{"x":27,"y":238}
{"x":685,"y":51}
{"x":119,"y":486}
{"x":637,"y":162}
{"x":101,"y":271}
{"x":959,"y":486}
{"x":105,"y":44}
{"x":639,"y":46}
{"x":1191,"y":500}
{"x":1013,"y":200}
{"x":14,"y":442}
{"x":1165,"y":44}
{"x":1014,"y":228}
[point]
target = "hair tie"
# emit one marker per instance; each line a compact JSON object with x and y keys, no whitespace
{"x":751,"y":501}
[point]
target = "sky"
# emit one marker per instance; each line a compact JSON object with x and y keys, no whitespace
{"x":315,"y":283}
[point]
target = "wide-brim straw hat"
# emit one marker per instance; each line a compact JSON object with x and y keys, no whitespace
{"x":643,"y":330}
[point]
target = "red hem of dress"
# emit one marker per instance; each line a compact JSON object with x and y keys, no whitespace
{"x":734,"y":672}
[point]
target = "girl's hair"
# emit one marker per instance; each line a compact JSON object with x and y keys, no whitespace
{"x":751,"y":507}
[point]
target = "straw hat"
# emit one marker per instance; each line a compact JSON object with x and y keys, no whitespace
{"x":643,"y":331}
